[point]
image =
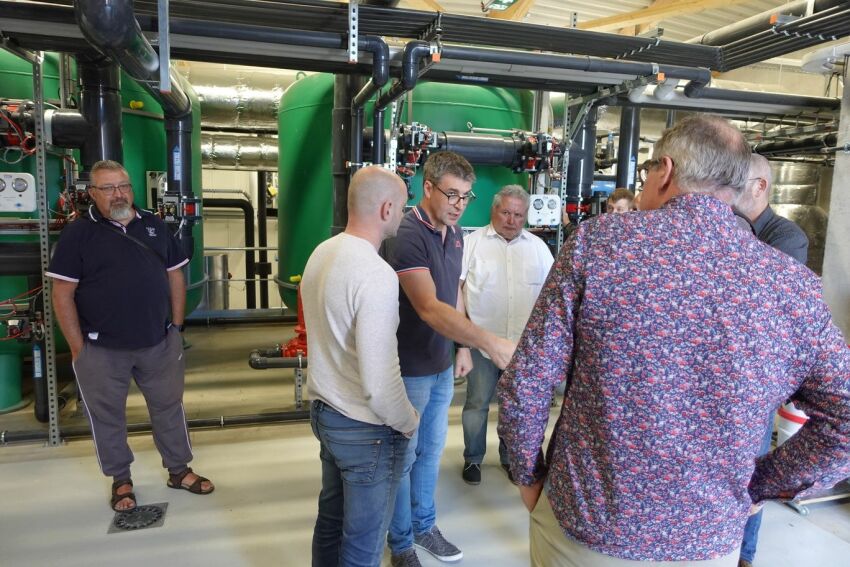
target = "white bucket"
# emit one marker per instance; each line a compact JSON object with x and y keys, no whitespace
{"x":789,"y":420}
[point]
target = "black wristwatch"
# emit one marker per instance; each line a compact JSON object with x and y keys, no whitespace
{"x":180,"y":328}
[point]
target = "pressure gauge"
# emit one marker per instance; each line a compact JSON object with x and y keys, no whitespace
{"x":2,"y":185}
{"x":537,"y":203}
{"x":20,"y":184}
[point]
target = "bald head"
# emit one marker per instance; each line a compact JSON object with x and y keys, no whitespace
{"x":376,"y":199}
{"x":372,"y":186}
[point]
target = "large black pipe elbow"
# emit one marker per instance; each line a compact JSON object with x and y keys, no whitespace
{"x":111,"y":26}
{"x":413,"y":52}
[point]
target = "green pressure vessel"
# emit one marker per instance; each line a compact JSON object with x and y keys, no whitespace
{"x":16,"y":83}
{"x":306,"y":187}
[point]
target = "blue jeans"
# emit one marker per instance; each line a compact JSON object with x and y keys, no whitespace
{"x":480,"y":386}
{"x":415,"y":510}
{"x":751,"y":529}
{"x":362,"y":464}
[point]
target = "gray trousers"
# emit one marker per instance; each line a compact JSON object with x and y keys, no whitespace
{"x":103,"y":378}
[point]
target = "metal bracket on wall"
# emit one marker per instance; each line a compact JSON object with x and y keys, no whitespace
{"x":164,"y":47}
{"x":353,"y":14}
{"x":53,"y":437}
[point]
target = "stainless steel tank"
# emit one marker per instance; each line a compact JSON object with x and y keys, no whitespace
{"x":795,"y":196}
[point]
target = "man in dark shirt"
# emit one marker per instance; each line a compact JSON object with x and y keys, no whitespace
{"x":785,"y":236}
{"x":427,"y":255}
{"x":116,"y":275}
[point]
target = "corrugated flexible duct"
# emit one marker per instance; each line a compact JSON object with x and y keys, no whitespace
{"x":242,"y":152}
{"x":239,"y":106}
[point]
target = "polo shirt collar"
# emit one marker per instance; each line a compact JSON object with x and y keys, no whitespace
{"x":94,"y":214}
{"x":423,"y":217}
{"x":763,"y":219}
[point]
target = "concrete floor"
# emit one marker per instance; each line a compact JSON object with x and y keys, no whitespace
{"x":55,"y":501}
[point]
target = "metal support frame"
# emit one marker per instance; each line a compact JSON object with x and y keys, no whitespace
{"x":53,"y":438}
{"x":565,"y":166}
{"x":353,"y":42}
{"x":164,"y":47}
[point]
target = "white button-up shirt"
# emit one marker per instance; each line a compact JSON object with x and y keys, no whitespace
{"x":502,"y":279}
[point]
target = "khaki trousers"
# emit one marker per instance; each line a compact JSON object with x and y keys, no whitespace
{"x":551,"y":548}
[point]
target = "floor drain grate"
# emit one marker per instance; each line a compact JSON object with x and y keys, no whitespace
{"x":139,"y":518}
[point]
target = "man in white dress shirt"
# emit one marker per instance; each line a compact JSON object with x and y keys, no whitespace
{"x":504,"y":267}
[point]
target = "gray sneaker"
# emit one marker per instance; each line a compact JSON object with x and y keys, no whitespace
{"x":434,"y":543}
{"x":406,"y":558}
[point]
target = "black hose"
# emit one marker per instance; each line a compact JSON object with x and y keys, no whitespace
{"x":250,"y":266}
{"x":259,"y":362}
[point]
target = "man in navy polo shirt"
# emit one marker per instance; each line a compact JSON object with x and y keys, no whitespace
{"x":427,"y":255}
{"x":116,"y":279}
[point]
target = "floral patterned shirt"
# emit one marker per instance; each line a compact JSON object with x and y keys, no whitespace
{"x":678,"y":335}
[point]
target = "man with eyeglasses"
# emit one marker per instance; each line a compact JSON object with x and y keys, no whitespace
{"x":119,"y":296}
{"x":427,"y":255}
{"x":786,"y":236}
{"x":679,"y":335}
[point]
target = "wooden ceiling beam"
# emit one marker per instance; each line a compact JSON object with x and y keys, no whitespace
{"x":654,"y":13}
{"x":517,"y":11}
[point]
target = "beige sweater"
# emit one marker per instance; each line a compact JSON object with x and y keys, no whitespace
{"x":350,"y":300}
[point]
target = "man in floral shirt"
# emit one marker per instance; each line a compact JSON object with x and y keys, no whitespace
{"x":678,"y":335}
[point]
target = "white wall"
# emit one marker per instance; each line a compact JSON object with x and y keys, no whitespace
{"x":225,"y":227}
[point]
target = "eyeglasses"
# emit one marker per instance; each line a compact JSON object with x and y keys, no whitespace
{"x":111,"y":189}
{"x":643,"y":170}
{"x":454,"y":198}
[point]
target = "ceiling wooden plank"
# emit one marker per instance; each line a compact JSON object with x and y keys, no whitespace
{"x":654,"y":13}
{"x":427,"y":5}
{"x":517,"y":11}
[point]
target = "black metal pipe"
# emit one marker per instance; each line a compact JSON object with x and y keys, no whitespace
{"x":379,"y":137}
{"x":100,"y":106}
{"x":37,"y":435}
{"x":20,"y":259}
{"x":414,"y":51}
{"x":236,"y":317}
{"x":754,"y":24}
{"x":178,"y":140}
{"x":628,"y":146}
{"x":771,"y":98}
{"x":700,"y":76}
{"x":263,"y":266}
{"x":112,"y":28}
{"x":583,"y":157}
{"x":41,"y":407}
{"x":380,"y":68}
{"x":260,"y":34}
{"x":482,"y":149}
{"x":250,"y":267}
{"x":259,"y":362}
{"x":811,"y":144}
{"x":344,"y":149}
{"x":68,"y":128}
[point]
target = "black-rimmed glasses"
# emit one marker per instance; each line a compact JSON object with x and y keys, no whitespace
{"x":111,"y":189}
{"x":456,"y":198}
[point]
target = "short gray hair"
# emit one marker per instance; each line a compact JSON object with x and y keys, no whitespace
{"x":107,"y":165}
{"x":709,"y":154}
{"x":511,"y":191}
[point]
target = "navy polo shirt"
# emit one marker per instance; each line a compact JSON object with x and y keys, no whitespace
{"x":122,"y":296}
{"x":419,"y":246}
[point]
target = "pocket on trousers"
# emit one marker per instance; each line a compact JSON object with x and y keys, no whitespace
{"x":357,"y":454}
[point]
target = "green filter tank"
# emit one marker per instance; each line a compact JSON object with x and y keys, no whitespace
{"x":306,"y":185}
{"x":16,"y":83}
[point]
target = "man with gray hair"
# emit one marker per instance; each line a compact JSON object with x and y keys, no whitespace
{"x":678,"y":334}
{"x":120,"y":297}
{"x":503,"y":269}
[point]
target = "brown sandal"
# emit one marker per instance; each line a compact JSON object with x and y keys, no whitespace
{"x":176,"y":481}
{"x":116,"y":498}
